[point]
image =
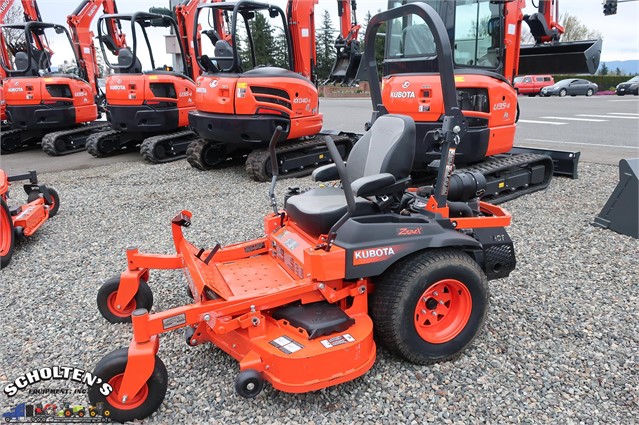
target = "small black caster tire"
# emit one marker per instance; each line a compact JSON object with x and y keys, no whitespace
{"x":149,"y":398}
{"x":249,"y":383}
{"x":106,"y":301}
{"x":7,"y":234}
{"x":55,"y":198}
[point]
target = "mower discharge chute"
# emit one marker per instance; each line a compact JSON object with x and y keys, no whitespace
{"x":296,"y":307}
{"x":23,"y":221}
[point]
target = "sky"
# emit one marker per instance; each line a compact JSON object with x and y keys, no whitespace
{"x":620,"y":32}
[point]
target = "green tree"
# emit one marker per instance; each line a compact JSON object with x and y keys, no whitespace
{"x":618,"y":71}
{"x":574,"y":30}
{"x":604,"y":69}
{"x":325,"y":47}
{"x":280,"y":49}
{"x":264,"y":44}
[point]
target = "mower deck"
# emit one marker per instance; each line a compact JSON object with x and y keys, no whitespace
{"x":241,"y":287}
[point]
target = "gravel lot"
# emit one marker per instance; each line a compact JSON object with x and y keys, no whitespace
{"x":560,"y":343}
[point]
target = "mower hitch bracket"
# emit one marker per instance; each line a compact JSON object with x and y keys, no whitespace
{"x":137,"y":260}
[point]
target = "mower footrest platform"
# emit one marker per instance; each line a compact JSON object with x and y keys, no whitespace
{"x":318,"y":319}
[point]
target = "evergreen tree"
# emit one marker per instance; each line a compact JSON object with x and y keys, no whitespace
{"x":263,"y":40}
{"x":264,"y":43}
{"x":618,"y":71}
{"x":604,"y":69}
{"x":280,"y":49}
{"x":325,"y":47}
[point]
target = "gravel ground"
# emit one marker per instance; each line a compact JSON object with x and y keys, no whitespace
{"x":559,"y":346}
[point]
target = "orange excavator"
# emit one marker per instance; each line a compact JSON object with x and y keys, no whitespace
{"x":485,"y":36}
{"x":240,"y":102}
{"x":30,"y":12}
{"x":55,"y":91}
{"x":148,"y":103}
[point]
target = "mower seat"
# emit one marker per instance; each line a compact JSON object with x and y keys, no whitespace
{"x":379,"y":164}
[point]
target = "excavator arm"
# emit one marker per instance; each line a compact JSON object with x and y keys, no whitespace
{"x":301,"y":24}
{"x":348,"y":47}
{"x":80,"y":26}
{"x":549,"y":55}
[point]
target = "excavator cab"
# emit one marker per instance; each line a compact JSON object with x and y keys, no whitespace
{"x":249,"y":88}
{"x":149,"y":92}
{"x":45,"y":89}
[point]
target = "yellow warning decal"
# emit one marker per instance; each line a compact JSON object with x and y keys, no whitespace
{"x":501,"y":184}
{"x":459,"y":79}
{"x":153,"y":77}
{"x":242,"y":85}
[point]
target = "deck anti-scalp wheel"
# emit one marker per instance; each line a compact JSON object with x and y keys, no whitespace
{"x":7,"y":235}
{"x":249,"y":383}
{"x":108,"y":293}
{"x":111,"y":369}
{"x":430,"y":306}
{"x":55,"y":198}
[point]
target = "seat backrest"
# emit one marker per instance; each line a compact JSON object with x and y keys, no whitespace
{"x":223,"y":50}
{"x":418,"y":40}
{"x":22,"y":61}
{"x":387,"y":147}
{"x":125,"y":57}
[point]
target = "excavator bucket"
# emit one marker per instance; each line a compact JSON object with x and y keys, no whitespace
{"x":621,"y":211}
{"x":574,"y":57}
{"x":344,"y":70}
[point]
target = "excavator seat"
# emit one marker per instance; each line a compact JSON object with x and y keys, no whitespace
{"x":125,"y":57}
{"x":379,"y":164}
{"x":39,"y":61}
{"x":224,"y":55}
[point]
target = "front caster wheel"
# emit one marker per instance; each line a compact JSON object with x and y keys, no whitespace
{"x":108,"y":293}
{"x":55,"y":200}
{"x":7,"y":234}
{"x":111,"y":370}
{"x":430,"y":306}
{"x":249,"y":383}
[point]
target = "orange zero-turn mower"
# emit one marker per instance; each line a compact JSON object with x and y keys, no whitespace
{"x":42,"y":202}
{"x":297,"y":307}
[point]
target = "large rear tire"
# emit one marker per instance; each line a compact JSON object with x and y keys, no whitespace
{"x":7,"y":234}
{"x":111,"y":369}
{"x":430,"y":306}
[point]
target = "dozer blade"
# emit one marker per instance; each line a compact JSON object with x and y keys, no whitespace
{"x":574,"y":57}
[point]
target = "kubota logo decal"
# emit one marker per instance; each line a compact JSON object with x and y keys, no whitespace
{"x":15,"y":89}
{"x":117,"y":87}
{"x":373,"y":255}
{"x":402,"y":95}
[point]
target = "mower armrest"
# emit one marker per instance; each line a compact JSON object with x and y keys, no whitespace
{"x":370,"y":185}
{"x":326,"y":173}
